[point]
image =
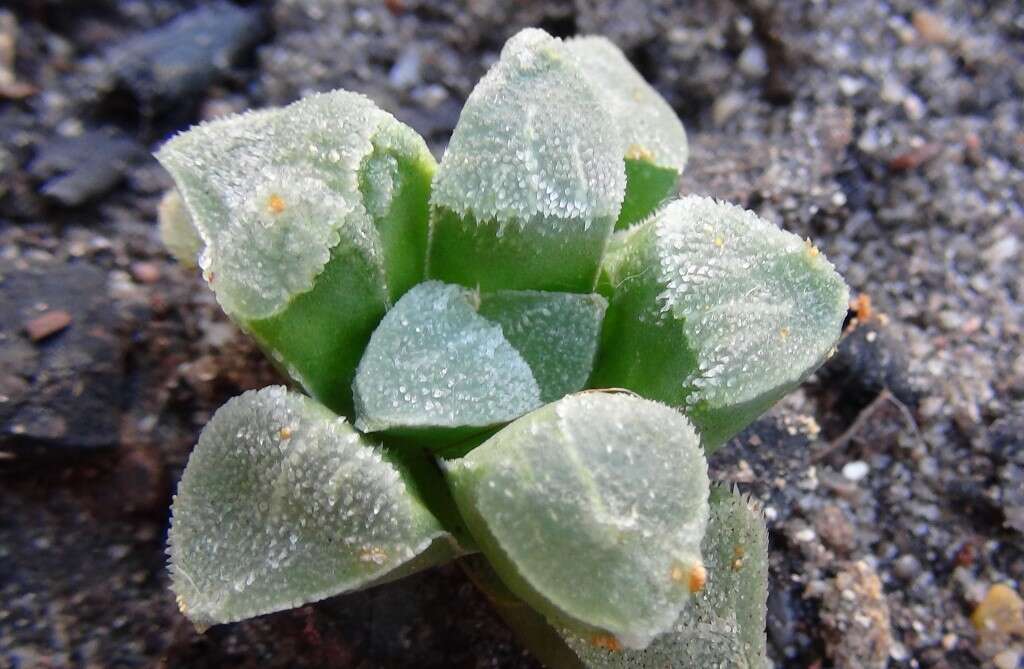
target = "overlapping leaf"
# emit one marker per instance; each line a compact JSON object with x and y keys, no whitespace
{"x":651,"y":137}
{"x":592,"y":509}
{"x":717,"y":312}
{"x":283,"y":503}
{"x":313,"y":219}
{"x":532,"y":180}
{"x":725,"y":626}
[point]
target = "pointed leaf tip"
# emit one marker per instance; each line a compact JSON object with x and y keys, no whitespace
{"x":532,"y":181}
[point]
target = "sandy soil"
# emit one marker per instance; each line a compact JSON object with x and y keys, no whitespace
{"x":889,"y":133}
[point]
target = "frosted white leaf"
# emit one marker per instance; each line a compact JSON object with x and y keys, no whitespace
{"x":556,"y":333}
{"x":592,"y":509}
{"x":283,"y":503}
{"x":725,"y":627}
{"x":714,"y":310}
{"x":759,"y":305}
{"x":178,"y":234}
{"x":272,"y":192}
{"x":648,"y":127}
{"x":533,"y":146}
{"x":434,"y":362}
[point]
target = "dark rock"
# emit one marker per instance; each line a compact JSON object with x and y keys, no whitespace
{"x":789,"y":618}
{"x":1006,"y":443}
{"x":869,"y":359}
{"x":771,"y":447}
{"x":63,"y":393}
{"x":173,"y":65}
{"x":79,"y":169}
{"x":1006,"y":439}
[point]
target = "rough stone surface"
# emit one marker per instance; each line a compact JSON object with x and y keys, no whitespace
{"x":856,"y":618}
{"x":62,"y":373}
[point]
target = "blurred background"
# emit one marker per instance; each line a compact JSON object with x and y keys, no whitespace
{"x":890,"y":133}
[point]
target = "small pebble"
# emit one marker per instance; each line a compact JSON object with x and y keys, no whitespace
{"x":48,"y":324}
{"x":145,"y":272}
{"x":856,"y":470}
{"x":907,"y":567}
{"x":1000,"y":614}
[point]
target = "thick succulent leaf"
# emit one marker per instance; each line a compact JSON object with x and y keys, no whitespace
{"x":651,"y":136}
{"x":647,"y":124}
{"x":725,"y":627}
{"x":717,"y":312}
{"x":434,"y":362}
{"x":319,"y":339}
{"x":556,"y":333}
{"x":592,"y":510}
{"x":395,"y":182}
{"x":314,"y":218}
{"x":178,"y":234}
{"x":283,"y":503}
{"x":532,"y":181}
{"x":647,"y":187}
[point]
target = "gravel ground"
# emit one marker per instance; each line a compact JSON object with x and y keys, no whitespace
{"x":889,"y":133}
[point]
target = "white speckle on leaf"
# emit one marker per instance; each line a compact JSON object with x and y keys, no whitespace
{"x":533,"y":146}
{"x":434,"y":362}
{"x":594,"y":532}
{"x":271,"y":193}
{"x":279,"y":505}
{"x":646,"y":123}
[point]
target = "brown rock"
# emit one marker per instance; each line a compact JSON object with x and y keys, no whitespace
{"x":999,"y":618}
{"x":932,"y":28}
{"x":914,"y":158}
{"x":49,"y":323}
{"x":855,"y":616}
{"x":835,"y":529}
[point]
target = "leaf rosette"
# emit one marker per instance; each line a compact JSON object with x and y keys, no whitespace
{"x":490,"y":365}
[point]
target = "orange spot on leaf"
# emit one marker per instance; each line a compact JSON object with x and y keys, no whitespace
{"x":275,"y":204}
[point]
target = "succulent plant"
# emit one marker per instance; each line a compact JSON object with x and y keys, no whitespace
{"x":518,"y":358}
